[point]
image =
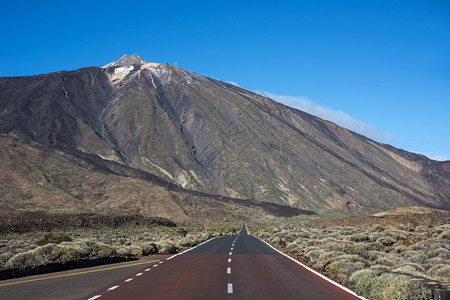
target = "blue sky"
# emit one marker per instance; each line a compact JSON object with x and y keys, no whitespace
{"x":381,"y":68}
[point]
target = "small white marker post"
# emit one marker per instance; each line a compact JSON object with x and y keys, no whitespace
{"x":206,"y":227}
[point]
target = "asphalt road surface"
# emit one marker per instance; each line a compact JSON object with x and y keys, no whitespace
{"x":230,"y":267}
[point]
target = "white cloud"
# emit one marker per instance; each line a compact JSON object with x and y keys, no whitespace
{"x":439,"y":157}
{"x":335,"y":116}
{"x":433,"y":155}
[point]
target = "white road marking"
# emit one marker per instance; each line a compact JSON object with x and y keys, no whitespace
{"x":315,"y":272}
{"x":95,"y":297}
{"x":230,"y":288}
{"x":139,"y":274}
{"x":129,"y":279}
{"x":228,"y":270}
{"x":113,"y":288}
{"x":160,"y":262}
{"x":146,"y":270}
{"x":175,"y":255}
{"x":232,"y":248}
{"x":230,"y":253}
{"x":154,"y":266}
{"x":229,"y":260}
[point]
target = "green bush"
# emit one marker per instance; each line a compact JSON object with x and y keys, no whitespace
{"x":51,"y":237}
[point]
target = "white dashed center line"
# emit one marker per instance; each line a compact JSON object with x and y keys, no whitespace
{"x":228,"y":270}
{"x":155,"y":266}
{"x":230,"y":253}
{"x":230,"y":288}
{"x":113,"y":288}
{"x":139,"y":274}
{"x":146,"y":270}
{"x":129,"y":279}
{"x":95,"y":297}
{"x":229,"y":260}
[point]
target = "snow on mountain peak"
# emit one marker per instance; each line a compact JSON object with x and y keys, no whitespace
{"x":126,"y":61}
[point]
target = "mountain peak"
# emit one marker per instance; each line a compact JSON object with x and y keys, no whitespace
{"x":127,"y":60}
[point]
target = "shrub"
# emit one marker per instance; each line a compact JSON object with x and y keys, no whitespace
{"x":4,"y":257}
{"x":186,"y":242}
{"x":386,"y":240}
{"x":373,"y":255}
{"x":399,"y":234}
{"x":149,"y":248}
{"x":363,"y":281}
{"x":33,"y":257}
{"x":376,"y":285}
{"x":51,"y":237}
{"x":378,"y":228}
{"x":410,"y":268}
{"x":359,"y":237}
{"x":330,"y":255}
{"x":440,"y":252}
{"x":65,"y":252}
{"x":166,"y":247}
{"x":389,"y":261}
{"x":101,"y":250}
{"x":374,"y":236}
{"x":441,"y":271}
{"x":346,"y":267}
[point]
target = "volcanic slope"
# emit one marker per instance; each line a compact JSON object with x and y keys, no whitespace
{"x":205,"y":135}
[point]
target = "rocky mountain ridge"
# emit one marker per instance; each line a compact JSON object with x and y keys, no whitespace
{"x":214,"y":138}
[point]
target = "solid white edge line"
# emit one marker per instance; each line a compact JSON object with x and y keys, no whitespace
{"x":113,"y":288}
{"x":95,"y":297}
{"x":230,"y":288}
{"x":315,"y":272}
{"x":187,"y":250}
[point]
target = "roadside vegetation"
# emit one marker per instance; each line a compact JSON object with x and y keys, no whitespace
{"x":379,"y":258}
{"x":39,"y":248}
{"x":398,"y":261}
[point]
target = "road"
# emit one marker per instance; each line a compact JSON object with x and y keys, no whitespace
{"x":229,"y":267}
{"x":73,"y":284}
